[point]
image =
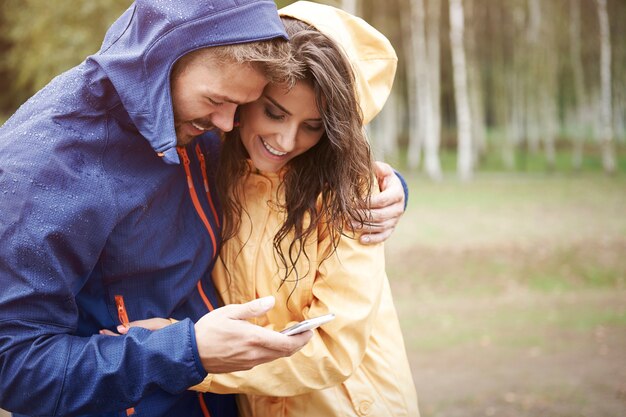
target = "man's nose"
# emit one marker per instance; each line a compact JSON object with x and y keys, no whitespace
{"x":224,"y":117}
{"x":287,"y":139}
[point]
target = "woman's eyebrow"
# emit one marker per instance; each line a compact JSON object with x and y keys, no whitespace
{"x":277,"y":104}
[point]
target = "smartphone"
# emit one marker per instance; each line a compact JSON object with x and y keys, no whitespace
{"x":309,"y":324}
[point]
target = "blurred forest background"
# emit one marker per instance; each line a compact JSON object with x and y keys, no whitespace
{"x":482,"y":84}
{"x":508,"y":119}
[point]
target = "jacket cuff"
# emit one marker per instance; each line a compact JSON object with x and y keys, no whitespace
{"x":405,"y":187}
{"x":194,"y":349}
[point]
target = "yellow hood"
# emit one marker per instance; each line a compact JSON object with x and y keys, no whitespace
{"x":372,"y":57}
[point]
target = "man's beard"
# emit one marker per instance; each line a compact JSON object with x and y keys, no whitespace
{"x":200,"y":126}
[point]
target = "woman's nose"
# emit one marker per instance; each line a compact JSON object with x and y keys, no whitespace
{"x":287,"y":140}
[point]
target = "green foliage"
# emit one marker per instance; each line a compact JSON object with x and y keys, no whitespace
{"x":528,"y":161}
{"x":283,"y":3}
{"x":45,"y":38}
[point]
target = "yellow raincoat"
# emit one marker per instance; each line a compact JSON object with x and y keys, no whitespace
{"x":356,"y":365}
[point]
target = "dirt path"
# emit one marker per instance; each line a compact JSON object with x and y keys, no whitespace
{"x":548,"y":368}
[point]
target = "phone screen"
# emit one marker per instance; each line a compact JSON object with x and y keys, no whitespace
{"x":309,"y":324}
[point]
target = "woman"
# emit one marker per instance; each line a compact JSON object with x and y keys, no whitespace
{"x":290,"y":177}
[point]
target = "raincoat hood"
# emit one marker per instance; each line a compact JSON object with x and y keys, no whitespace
{"x":372,"y":56}
{"x":141,"y":47}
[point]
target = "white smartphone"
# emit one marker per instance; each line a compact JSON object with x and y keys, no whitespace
{"x":309,"y":324}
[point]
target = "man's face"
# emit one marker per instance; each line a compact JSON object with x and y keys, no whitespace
{"x":205,"y":96}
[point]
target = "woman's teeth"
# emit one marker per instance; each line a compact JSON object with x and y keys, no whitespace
{"x":272,"y":150}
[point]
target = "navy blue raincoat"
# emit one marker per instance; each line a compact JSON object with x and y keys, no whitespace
{"x":95,"y":206}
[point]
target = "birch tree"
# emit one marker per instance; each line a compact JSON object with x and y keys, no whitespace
{"x":475,"y":87}
{"x":547,"y":81}
{"x":423,"y":131}
{"x":459,"y":72}
{"x":580,"y":91}
{"x":606,"y":137}
{"x":421,"y":96}
{"x":619,"y":112}
{"x":432,"y":162}
{"x":533,"y":38}
{"x":618,"y":14}
{"x":386,"y":127}
{"x":414,"y":133}
{"x":350,"y":6}
{"x":507,"y":78}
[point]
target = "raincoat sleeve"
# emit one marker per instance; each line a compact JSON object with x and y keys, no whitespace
{"x":405,"y":187}
{"x":53,"y":228}
{"x":349,"y":284}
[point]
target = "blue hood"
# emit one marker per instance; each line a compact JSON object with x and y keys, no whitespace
{"x":141,"y":47}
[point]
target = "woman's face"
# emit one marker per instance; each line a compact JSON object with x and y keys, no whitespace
{"x":280,"y":125}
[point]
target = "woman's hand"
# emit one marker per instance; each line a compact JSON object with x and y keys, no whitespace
{"x":385,"y":208}
{"x":150,"y":324}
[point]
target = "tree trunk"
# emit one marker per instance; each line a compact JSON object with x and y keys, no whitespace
{"x":459,"y":73}
{"x":389,"y":123}
{"x":433,"y":137}
{"x":423,"y":96}
{"x":606,"y":137}
{"x":549,"y":93}
{"x":580,"y":93}
{"x":350,"y":6}
{"x":619,"y":112}
{"x":533,"y":102}
{"x":549,"y":124}
{"x":475,"y":85}
{"x":509,"y":77}
{"x":416,"y":140}
{"x":516,"y":116}
{"x":384,"y":130}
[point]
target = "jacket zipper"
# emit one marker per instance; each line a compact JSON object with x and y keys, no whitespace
{"x":206,"y":183}
{"x":205,"y":409}
{"x":122,"y":315}
{"x":196,"y":203}
{"x":194,"y":197}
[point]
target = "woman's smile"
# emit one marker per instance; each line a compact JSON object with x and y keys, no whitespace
{"x":272,"y":150}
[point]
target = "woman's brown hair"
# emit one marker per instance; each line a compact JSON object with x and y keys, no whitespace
{"x":331,"y":182}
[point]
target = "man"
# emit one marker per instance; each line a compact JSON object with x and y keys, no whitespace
{"x":107,"y":216}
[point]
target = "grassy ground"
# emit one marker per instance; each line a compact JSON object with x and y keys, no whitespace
{"x":512,"y":295}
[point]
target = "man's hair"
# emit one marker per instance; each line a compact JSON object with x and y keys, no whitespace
{"x":271,"y":57}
